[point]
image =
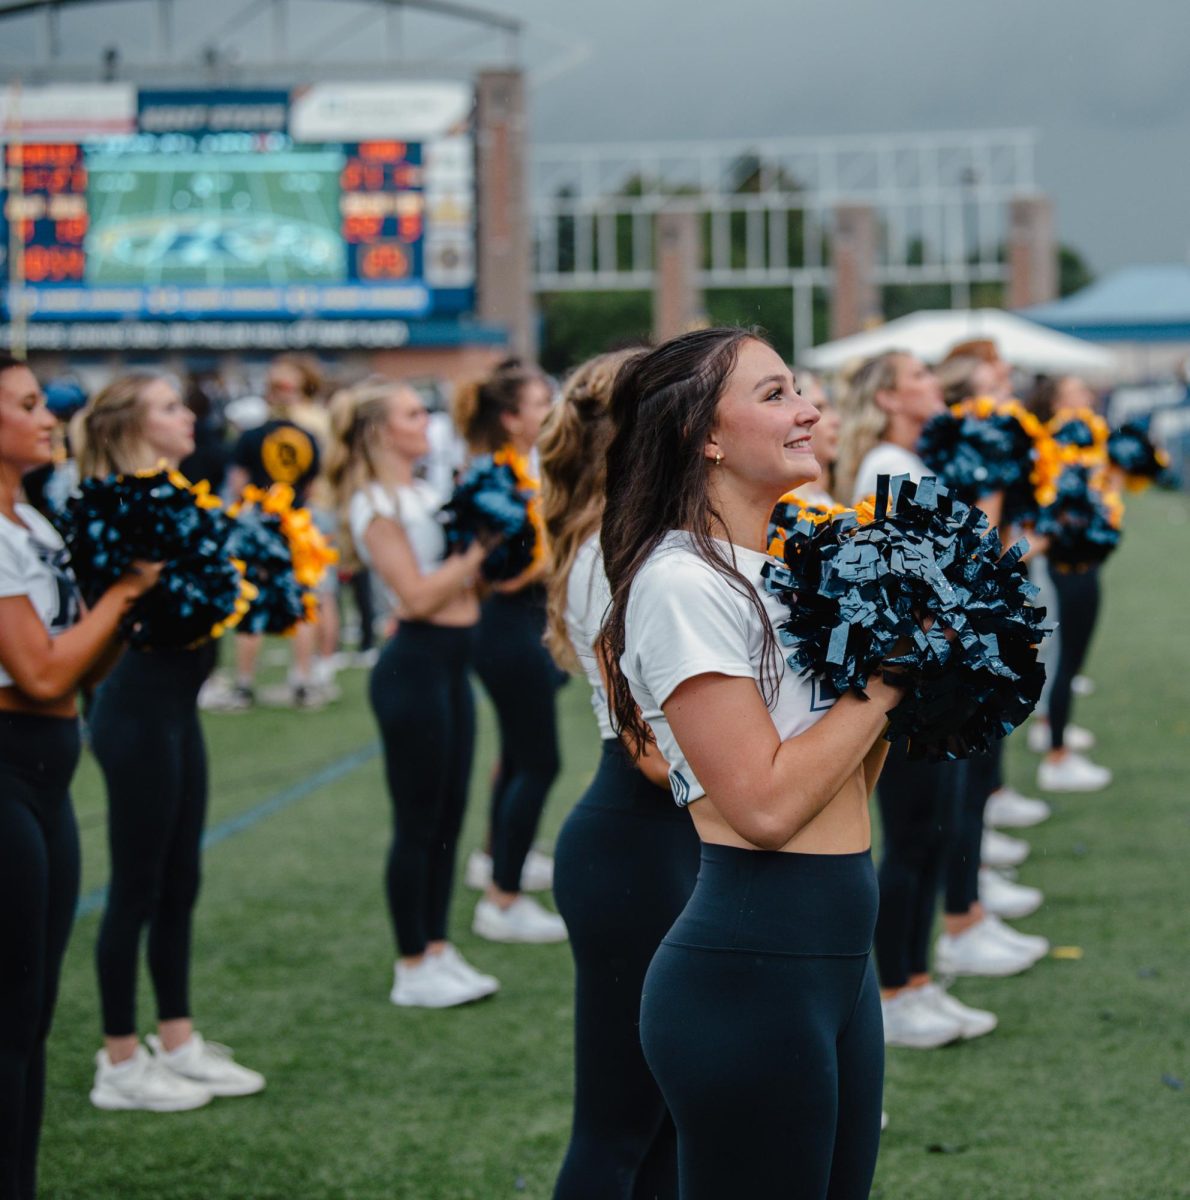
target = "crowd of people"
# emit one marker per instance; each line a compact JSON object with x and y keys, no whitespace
{"x":741,"y":962}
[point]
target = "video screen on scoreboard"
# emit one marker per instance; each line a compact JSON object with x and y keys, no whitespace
{"x":188,"y":218}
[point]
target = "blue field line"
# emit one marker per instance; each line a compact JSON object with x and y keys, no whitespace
{"x":95,"y":899}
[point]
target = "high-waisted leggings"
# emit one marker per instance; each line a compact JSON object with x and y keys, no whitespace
{"x":920,"y":805}
{"x":146,"y":734}
{"x":421,"y":697}
{"x":39,"y":883}
{"x":624,"y":867}
{"x":1078,"y":610}
{"x":521,"y":679}
{"x":761,"y":1023}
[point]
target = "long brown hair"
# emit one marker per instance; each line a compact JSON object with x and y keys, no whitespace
{"x":477,"y":407}
{"x":106,"y":434}
{"x":664,"y":405}
{"x":573,"y":456}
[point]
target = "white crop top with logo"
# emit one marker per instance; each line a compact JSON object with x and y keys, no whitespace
{"x":685,"y":619}
{"x":34,"y":563}
{"x":588,"y":597}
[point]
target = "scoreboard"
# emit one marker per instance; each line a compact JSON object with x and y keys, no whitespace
{"x":331,"y":202}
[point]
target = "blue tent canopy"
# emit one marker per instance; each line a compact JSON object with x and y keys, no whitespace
{"x":1135,"y":304}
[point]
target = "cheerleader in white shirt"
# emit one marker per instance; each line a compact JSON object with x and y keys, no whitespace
{"x":627,"y":856}
{"x":760,"y":1017}
{"x":420,"y":690}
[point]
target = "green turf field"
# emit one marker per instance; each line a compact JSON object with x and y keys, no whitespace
{"x":215,"y":220}
{"x":1083,"y":1092}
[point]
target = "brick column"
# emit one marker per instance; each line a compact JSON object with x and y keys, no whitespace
{"x":504,"y":275}
{"x":677,"y":299}
{"x":855,"y":300}
{"x":1032,"y":252}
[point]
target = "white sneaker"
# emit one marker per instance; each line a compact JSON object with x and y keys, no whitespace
{"x":1027,"y":943}
{"x":978,"y":951}
{"x":909,"y":1022}
{"x":1008,"y":809}
{"x":999,"y":850}
{"x":143,"y":1083}
{"x":1082,"y":685}
{"x":431,"y":984}
{"x":1073,"y":773}
{"x":1007,"y":899}
{"x":451,"y":960}
{"x":208,"y":1064}
{"x":219,"y":694}
{"x":537,"y":875}
{"x":1075,"y":737}
{"x":974,"y":1022}
{"x":524,"y":920}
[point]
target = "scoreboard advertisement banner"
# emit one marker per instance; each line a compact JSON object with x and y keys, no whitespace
{"x":330,"y":202}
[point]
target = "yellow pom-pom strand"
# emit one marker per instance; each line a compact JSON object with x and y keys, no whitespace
{"x":526,"y":482}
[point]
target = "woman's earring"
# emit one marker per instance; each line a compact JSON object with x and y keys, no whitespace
{"x":718,"y":458}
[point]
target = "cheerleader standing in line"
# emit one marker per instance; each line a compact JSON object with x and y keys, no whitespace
{"x":46,"y":653}
{"x":145,"y":732}
{"x":419,"y":688}
{"x":505,"y":412}
{"x":1065,"y":768}
{"x":760,"y":1017}
{"x":627,"y":856}
{"x":888,"y":401}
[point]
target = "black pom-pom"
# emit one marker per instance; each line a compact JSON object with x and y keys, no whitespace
{"x":157,"y":517}
{"x":861,"y":596}
{"x":1132,"y":450}
{"x":1083,"y":522}
{"x":983,"y":446}
{"x":257,"y":541}
{"x":495,"y":498}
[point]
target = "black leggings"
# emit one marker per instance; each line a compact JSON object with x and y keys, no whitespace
{"x":145,"y":732}
{"x":983,"y":777}
{"x":422,"y":700}
{"x":521,"y":679}
{"x":39,"y":884}
{"x":761,"y":1023}
{"x":919,"y":809}
{"x":625,"y":865}
{"x":1078,"y":610}
{"x":365,"y":607}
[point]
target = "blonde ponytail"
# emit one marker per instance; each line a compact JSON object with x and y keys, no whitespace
{"x":864,"y":421}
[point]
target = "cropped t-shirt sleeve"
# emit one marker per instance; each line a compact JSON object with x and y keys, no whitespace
{"x":17,"y":565}
{"x":366,"y":505}
{"x":684,"y":619}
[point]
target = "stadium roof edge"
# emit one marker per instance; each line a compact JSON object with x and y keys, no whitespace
{"x":445,"y":8}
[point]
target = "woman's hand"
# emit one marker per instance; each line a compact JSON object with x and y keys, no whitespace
{"x":141,"y":578}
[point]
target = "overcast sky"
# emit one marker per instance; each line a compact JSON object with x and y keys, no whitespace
{"x":1106,"y":84}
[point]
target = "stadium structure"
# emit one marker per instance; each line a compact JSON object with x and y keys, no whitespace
{"x":246,"y":177}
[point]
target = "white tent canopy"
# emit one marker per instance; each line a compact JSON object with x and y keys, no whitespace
{"x":930,"y":334}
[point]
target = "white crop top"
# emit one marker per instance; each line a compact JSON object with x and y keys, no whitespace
{"x":685,"y":619}
{"x":886,"y":459}
{"x":34,"y":563}
{"x":588,"y":597}
{"x":414,"y":508}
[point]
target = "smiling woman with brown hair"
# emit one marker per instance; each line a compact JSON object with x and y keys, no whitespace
{"x":760,"y":1017}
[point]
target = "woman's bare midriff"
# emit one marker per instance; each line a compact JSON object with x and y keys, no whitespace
{"x":457,"y":614}
{"x":842,"y":827}
{"x":14,"y":700}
